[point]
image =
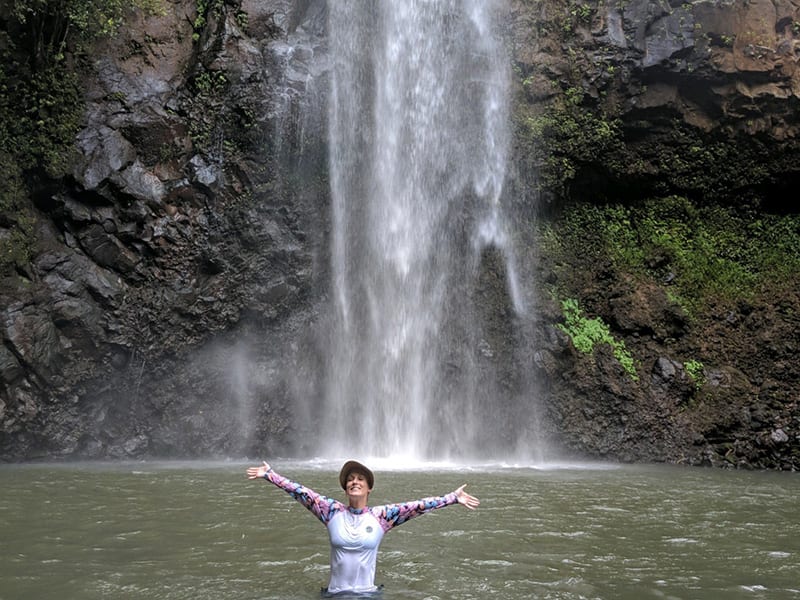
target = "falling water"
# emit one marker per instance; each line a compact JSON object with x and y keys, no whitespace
{"x":418,"y":142}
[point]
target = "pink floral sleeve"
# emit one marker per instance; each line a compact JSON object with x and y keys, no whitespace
{"x":392,"y":515}
{"x":321,"y":506}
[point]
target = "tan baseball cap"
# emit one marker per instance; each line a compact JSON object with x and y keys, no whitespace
{"x":349,"y":467}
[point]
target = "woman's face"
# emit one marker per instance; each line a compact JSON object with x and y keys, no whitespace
{"x":356,"y":484}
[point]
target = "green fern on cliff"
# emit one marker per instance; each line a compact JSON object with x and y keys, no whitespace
{"x":696,"y":371}
{"x":586,"y":334}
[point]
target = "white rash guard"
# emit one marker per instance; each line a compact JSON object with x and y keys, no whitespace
{"x":356,"y":534}
{"x":355,"y":538}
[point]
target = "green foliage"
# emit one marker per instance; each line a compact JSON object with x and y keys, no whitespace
{"x":209,"y":106}
{"x":16,"y":218}
{"x":205,"y":8}
{"x":210,"y":82}
{"x":567,"y":135}
{"x":49,"y":25}
{"x":586,"y":334}
{"x":242,"y":19}
{"x":704,"y":255}
{"x":41,"y":101}
{"x":578,"y":13}
{"x":707,"y":168}
{"x":211,"y":114}
{"x":39,"y":117}
{"x":713,"y":252}
{"x":695,"y":369}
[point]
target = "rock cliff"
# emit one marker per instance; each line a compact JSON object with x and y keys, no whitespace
{"x":698,"y":100}
{"x":179,"y":267}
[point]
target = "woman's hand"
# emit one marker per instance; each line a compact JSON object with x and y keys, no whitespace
{"x":258,"y":472}
{"x":471,"y":502}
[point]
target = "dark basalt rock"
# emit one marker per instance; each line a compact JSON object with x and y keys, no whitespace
{"x":179,"y":269}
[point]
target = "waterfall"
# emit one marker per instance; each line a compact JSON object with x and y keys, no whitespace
{"x":418,"y":152}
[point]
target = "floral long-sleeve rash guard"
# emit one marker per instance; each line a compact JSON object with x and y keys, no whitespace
{"x":356,"y":534}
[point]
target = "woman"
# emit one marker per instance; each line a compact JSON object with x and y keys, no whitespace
{"x":356,"y":529}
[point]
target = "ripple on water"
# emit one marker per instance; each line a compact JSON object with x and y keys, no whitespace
{"x":492,"y":563}
{"x":681,"y":541}
{"x":611,"y":509}
{"x":757,"y":589}
{"x":457,"y":533}
{"x":275,"y":563}
{"x":564,"y":534}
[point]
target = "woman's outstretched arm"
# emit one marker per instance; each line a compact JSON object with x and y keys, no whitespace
{"x":392,"y":515}
{"x":321,"y":506}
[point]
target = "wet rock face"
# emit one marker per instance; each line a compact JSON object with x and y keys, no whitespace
{"x":173,"y":268}
{"x":167,"y":310}
{"x":686,"y":80}
{"x":730,"y":46}
{"x":745,"y":51}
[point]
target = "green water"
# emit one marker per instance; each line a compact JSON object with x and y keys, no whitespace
{"x":172,"y":531}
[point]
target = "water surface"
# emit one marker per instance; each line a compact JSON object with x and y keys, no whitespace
{"x":201,"y":530}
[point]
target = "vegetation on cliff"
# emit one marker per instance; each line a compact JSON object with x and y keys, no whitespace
{"x":586,"y":333}
{"x":566,"y":137}
{"x":703,"y":255}
{"x":702,"y":297}
{"x":669,"y":238}
{"x":41,"y":101}
{"x":661,"y":140}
